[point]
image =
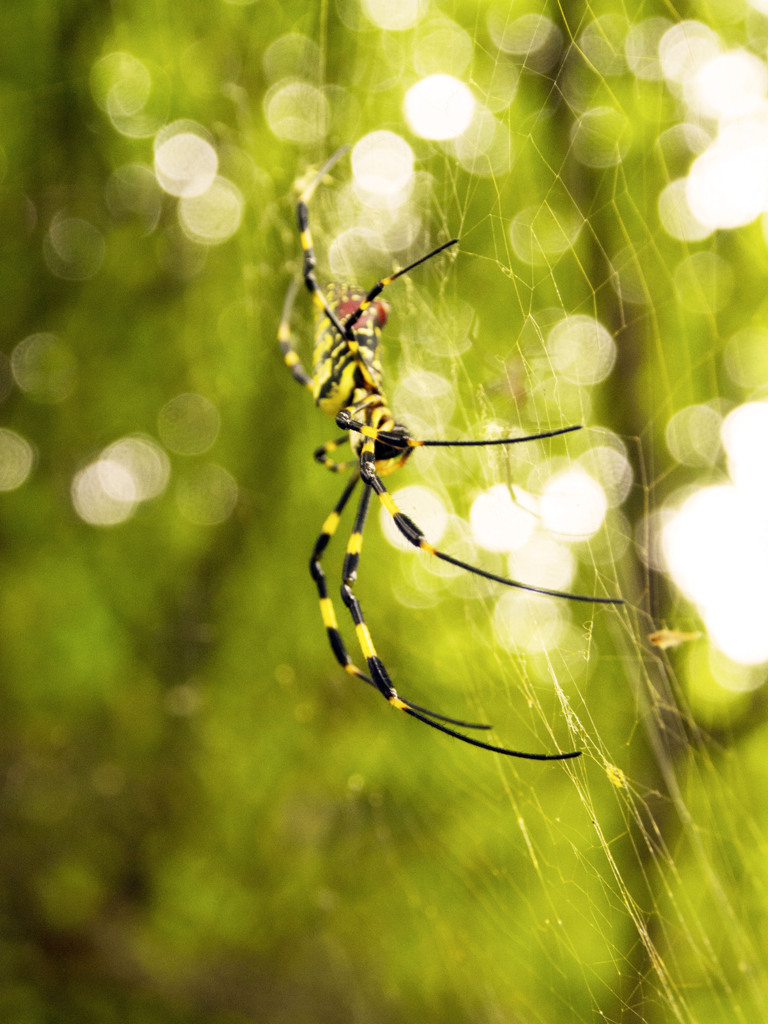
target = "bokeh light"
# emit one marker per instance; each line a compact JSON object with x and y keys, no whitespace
{"x":602,"y":43}
{"x":534,"y":37}
{"x":214,"y":216}
{"x":716,"y":548}
{"x":44,"y":367}
{"x":677,"y":217}
{"x":144,"y":461}
{"x":581,"y":350}
{"x":529,"y":622}
{"x":133,"y":191}
{"x":73,"y":248}
{"x":17,"y":459}
{"x":104,"y":493}
{"x":185,"y":159}
{"x":544,"y":561}
{"x":610,"y":467}
{"x":207,"y":495}
{"x":443,"y":47}
{"x":728,"y":184}
{"x":715,"y":541}
{"x":129,"y":471}
{"x":426,"y":401}
{"x":134,"y":99}
{"x":439,"y":107}
{"x":382,"y":168}
{"x":572,"y":504}
{"x":188,"y":424}
{"x":395,"y":15}
{"x":693,"y":435}
{"x":730,"y":85}
{"x":704,"y":282}
{"x":641,"y":48}
{"x":498,"y":522}
{"x":745,"y":440}
{"x":541,"y":233}
{"x":746,"y":357}
{"x":120,"y":83}
{"x":600,"y":137}
{"x":484,"y":148}
{"x":685,"y":48}
{"x":292,"y":55}
{"x":297,"y":111}
{"x":725,"y":93}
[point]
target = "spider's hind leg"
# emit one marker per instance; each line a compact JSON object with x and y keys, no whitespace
{"x":380,"y":676}
{"x":316,"y":571}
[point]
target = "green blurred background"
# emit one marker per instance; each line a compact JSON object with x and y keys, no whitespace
{"x":203,"y":818}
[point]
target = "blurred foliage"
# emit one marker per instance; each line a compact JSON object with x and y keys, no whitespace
{"x":203,"y":819}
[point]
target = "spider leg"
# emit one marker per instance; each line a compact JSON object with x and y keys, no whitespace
{"x":308,"y":271}
{"x":316,"y":571}
{"x":409,"y":710}
{"x":395,"y":440}
{"x":379,"y":674}
{"x":379,"y":287}
{"x":329,"y":615}
{"x":415,"y":535}
{"x":290,"y":355}
{"x":322,"y":453}
{"x":305,"y":236}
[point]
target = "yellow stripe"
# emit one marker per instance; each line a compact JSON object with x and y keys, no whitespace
{"x":397,"y":703}
{"x":283,"y":332}
{"x":355,"y":544}
{"x":426,"y":547}
{"x":291,"y":358}
{"x":388,"y":503}
{"x":306,"y":239}
{"x":330,"y":524}
{"x":364,"y":639}
{"x":329,"y":616}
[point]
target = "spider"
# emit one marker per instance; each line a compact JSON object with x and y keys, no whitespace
{"x":346,"y":383}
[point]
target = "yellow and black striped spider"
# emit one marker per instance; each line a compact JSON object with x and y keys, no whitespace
{"x":346,"y":383}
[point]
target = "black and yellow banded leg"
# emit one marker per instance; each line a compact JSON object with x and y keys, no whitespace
{"x":326,"y":605}
{"x":379,"y":674}
{"x":379,"y":287}
{"x":415,"y":535}
{"x":290,"y":355}
{"x":305,"y":237}
{"x":308,"y":272}
{"x":321,"y":455}
{"x":397,"y":440}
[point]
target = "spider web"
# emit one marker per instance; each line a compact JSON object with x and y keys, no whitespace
{"x":617,"y":889}
{"x":204,"y":817}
